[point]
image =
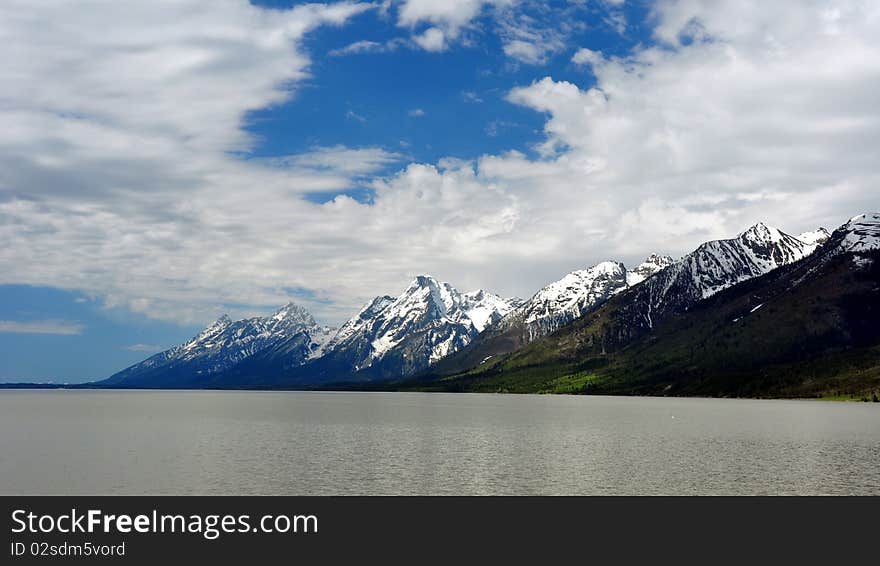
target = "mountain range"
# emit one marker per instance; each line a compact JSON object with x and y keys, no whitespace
{"x":585,"y":325}
{"x":808,"y":327}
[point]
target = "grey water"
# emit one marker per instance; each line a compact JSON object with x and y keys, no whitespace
{"x":339,"y":443}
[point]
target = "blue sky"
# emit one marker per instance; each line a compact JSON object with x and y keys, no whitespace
{"x":428,"y":105}
{"x":222,"y":157}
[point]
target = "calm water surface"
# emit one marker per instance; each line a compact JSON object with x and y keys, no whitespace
{"x":188,"y":442}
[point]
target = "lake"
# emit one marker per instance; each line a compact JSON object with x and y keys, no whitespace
{"x":336,"y":443}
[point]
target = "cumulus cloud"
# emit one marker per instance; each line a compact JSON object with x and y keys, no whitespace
{"x":446,"y":19}
{"x":584,"y":56}
{"x":524,"y":51}
{"x":124,"y":184}
{"x":116,"y":174}
{"x":63,"y":327}
{"x":432,"y":39}
{"x":744,"y":113}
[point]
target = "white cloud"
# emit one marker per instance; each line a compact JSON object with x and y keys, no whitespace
{"x":530,"y":31}
{"x":584,"y":56}
{"x":524,"y":51}
{"x":122,"y":184}
{"x":337,"y":160}
{"x":767,"y":117}
{"x":447,"y":19}
{"x":432,"y":39}
{"x":532,"y":36}
{"x":63,"y":327}
{"x":367,"y":46}
{"x":364,"y":46}
{"x":416,"y":113}
{"x":116,"y":172}
{"x":452,"y":14}
{"x":145,"y":348}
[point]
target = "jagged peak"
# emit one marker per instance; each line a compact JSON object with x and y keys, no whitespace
{"x":866,"y":219}
{"x":603,"y":267}
{"x":424,"y":280}
{"x":658,"y":259}
{"x":289,"y":308}
{"x":815,"y":237}
{"x":292,"y":313}
{"x":654,"y":263}
{"x":434,"y":293}
{"x":376,"y":304}
{"x":861,"y":233}
{"x":578,"y":278}
{"x":478,"y":295}
{"x":484,"y":295}
{"x":373,"y":307}
{"x":762,"y":232}
{"x":222,"y":322}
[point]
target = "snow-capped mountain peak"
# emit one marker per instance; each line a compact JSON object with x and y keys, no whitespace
{"x":356,"y":324}
{"x":815,"y":237}
{"x":656,"y":261}
{"x":862,"y":233}
{"x":429,"y":320}
{"x":429,"y":302}
{"x":576,"y":291}
{"x":290,"y":316}
{"x":207,"y":335}
{"x":564,"y":300}
{"x":761,"y":232}
{"x":576,"y":294}
{"x":652,"y":264}
{"x":291,"y":310}
{"x":484,"y":308}
{"x":719,"y":264}
{"x":426,"y":294}
{"x":222,"y":322}
{"x":224,"y":343}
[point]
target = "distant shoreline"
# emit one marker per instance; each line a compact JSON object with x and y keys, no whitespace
{"x":23,"y":386}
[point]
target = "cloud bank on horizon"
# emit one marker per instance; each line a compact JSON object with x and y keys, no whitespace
{"x":128,"y":171}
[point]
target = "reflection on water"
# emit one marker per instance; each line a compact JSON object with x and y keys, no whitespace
{"x":185,"y":442}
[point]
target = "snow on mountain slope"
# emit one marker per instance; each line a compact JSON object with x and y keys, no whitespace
{"x":579,"y":292}
{"x":647,"y":268}
{"x":713,"y":267}
{"x":357,"y":325}
{"x":483,"y":308}
{"x":574,"y":293}
{"x":719,"y":264}
{"x":398,"y":336}
{"x":816,"y":237}
{"x":225,"y":343}
{"x":430,"y":319}
{"x":862,"y":233}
